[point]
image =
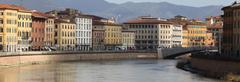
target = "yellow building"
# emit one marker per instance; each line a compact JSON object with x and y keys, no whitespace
{"x":197,"y":34}
{"x":65,"y":35}
{"x":185,"y":38}
{"x":113,"y":35}
{"x":24,"y":30}
{"x":49,"y":31}
{"x":13,"y":19}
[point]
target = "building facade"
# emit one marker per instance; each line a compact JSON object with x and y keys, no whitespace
{"x":215,"y":26}
{"x":185,"y":41}
{"x":180,"y":27}
{"x":152,"y":33}
{"x":38,"y":31}
{"x":14,"y":18}
{"x":49,"y":32}
{"x":64,"y":33}
{"x":112,"y":35}
{"x":10,"y":30}
{"x":98,"y":38}
{"x":177,"y":35}
{"x":24,"y":31}
{"x":83,"y":33}
{"x":209,"y":42}
{"x":231,"y":30}
{"x":197,"y":34}
{"x":128,"y":40}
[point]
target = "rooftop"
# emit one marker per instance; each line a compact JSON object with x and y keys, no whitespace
{"x":235,"y":4}
{"x":39,"y":14}
{"x":64,"y":21}
{"x":147,"y":21}
{"x":106,"y":23}
{"x":197,"y":23}
{"x":14,"y":7}
{"x":84,"y":16}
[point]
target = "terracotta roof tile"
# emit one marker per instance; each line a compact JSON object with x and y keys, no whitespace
{"x":39,"y":15}
{"x":15,"y":7}
{"x":197,"y":23}
{"x":181,"y":22}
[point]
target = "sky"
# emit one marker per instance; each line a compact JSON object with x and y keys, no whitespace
{"x":195,"y":3}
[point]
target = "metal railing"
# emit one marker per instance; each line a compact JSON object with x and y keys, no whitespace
{"x":166,"y":52}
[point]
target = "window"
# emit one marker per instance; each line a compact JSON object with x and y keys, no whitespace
{"x":22,"y":24}
{"x":1,"y":29}
{"x":1,"y":21}
{"x":0,"y":38}
{"x":1,"y":13}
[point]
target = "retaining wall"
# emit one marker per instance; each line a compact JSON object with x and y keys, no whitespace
{"x":14,"y":60}
{"x":215,"y":68}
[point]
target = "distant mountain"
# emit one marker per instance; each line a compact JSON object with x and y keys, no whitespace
{"x":165,"y":10}
{"x":124,"y":11}
{"x":46,"y":5}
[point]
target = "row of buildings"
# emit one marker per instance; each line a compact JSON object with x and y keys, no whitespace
{"x":201,"y":33}
{"x":26,"y":30}
{"x":68,"y":30}
{"x":152,"y":33}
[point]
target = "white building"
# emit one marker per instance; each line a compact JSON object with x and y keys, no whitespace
{"x":177,"y":33}
{"x":152,"y":33}
{"x":83,"y":33}
{"x":128,"y":40}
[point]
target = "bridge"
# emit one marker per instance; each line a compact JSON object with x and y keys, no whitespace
{"x":171,"y":53}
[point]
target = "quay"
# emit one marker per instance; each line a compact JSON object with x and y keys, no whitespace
{"x":23,"y":58}
{"x":212,"y":64}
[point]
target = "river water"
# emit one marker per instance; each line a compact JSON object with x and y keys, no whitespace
{"x":102,"y":71}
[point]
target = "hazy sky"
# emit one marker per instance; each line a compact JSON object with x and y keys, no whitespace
{"x":195,"y":3}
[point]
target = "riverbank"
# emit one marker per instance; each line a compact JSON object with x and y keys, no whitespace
{"x":218,"y":69}
{"x":40,"y":58}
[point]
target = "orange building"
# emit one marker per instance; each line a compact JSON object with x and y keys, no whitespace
{"x":38,"y":27}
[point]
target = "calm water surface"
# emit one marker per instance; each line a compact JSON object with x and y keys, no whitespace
{"x":102,"y":71}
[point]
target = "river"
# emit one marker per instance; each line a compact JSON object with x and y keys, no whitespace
{"x":102,"y":71}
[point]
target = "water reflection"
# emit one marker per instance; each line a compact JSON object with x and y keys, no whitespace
{"x":40,"y":73}
{"x":102,"y":71}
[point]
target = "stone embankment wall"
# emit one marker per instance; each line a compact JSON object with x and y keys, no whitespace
{"x":14,"y":60}
{"x":215,"y":68}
